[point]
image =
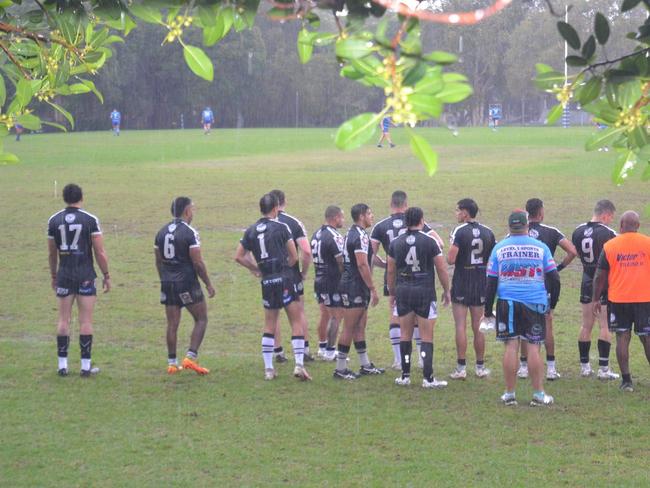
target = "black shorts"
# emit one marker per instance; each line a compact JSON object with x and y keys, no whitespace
{"x":420,"y":300}
{"x":552,"y":286}
{"x":66,"y":287}
{"x":331,"y":300}
{"x":587,"y":291}
{"x":621,"y":316}
{"x":180,"y":294}
{"x":354,"y":294}
{"x":468,"y":288}
{"x":278,"y":291}
{"x":516,"y":320}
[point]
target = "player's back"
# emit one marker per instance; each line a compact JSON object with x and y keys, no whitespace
{"x":326,"y":246}
{"x":589,"y":239}
{"x":387,"y":230}
{"x":356,"y":240}
{"x":414,"y":253}
{"x":174,"y":241}
{"x":550,"y":236}
{"x":475,"y":242}
{"x":72,"y":229}
{"x":267,"y":240}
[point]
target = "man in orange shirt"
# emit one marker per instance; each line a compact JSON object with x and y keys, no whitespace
{"x":624,"y":266}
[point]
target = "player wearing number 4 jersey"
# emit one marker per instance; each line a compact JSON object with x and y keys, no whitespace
{"x":271,"y":245}
{"x":471,"y":245}
{"x":178,"y":261}
{"x":589,"y":239}
{"x":73,"y":237}
{"x":412,"y":259}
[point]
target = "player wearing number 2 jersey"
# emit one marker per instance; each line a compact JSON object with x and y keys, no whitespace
{"x":471,"y":245}
{"x":589,"y":239}
{"x":73,"y":236}
{"x":178,"y":261}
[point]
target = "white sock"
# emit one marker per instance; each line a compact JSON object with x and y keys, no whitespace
{"x":394,"y":334}
{"x":63,"y":363}
{"x":298,"y":345}
{"x":85,"y":364}
{"x":550,"y":365}
{"x":268,"y":342}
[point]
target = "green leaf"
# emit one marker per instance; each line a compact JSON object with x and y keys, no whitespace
{"x":350,"y":72}
{"x":454,"y":92}
{"x":367,"y":66}
{"x":29,"y":121}
{"x":78,"y":88}
{"x":150,"y":15}
{"x":569,"y":34}
{"x":629,"y":5}
{"x":357,"y":131}
{"x":207,"y":15}
{"x":603,"y":138}
{"x":646,"y":173}
{"x":422,"y":150}
{"x":324,"y":38}
{"x":239,"y":22}
{"x":601,"y":28}
{"x":198,"y":62}
{"x":624,"y":164}
{"x":305,"y":45}
{"x":67,"y":25}
{"x":3,"y":92}
{"x":415,"y":74}
{"x":353,"y":48}
{"x":441,"y":57}
{"x":8,"y":158}
{"x":589,"y":48}
{"x":63,"y":112}
{"x":588,"y":92}
{"x":313,"y":19}
{"x":431,"y":83}
{"x":549,"y":79}
{"x":643,"y":154}
{"x":55,"y":125}
{"x":453,"y":77}
{"x":543,"y":68}
{"x":428,"y":105}
{"x":92,"y":88}
{"x":576,"y":61}
{"x":554,"y":114}
{"x":638,"y":137}
{"x":24,"y":92}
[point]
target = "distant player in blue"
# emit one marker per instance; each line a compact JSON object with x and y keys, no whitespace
{"x":116,"y":119}
{"x":518,"y":268}
{"x":19,"y":130}
{"x":385,"y":134}
{"x":208,"y":119}
{"x":494,"y":116}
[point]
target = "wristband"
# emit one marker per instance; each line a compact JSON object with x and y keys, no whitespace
{"x":107,"y":276}
{"x":560,"y":267}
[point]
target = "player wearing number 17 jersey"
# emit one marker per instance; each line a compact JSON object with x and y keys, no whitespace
{"x":471,"y":245}
{"x":178,"y":261}
{"x":589,"y":239}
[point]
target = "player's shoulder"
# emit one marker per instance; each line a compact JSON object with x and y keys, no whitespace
{"x":550,"y":228}
{"x":332,"y":232}
{"x":56,"y":215}
{"x":88,"y":214}
{"x":383,"y":223}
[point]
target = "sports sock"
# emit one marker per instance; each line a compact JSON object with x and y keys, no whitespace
{"x":509,"y":394}
{"x":406,"y":349}
{"x":278,"y":351}
{"x":583,"y":348}
{"x":192,"y":354}
{"x":480,"y":364}
{"x":360,"y":346}
{"x":539,"y":394}
{"x":267,"y":349}
{"x":298,"y":346}
{"x":394,"y":335}
{"x":416,"y":336}
{"x":603,"y":353}
{"x":342,"y":357}
{"x":461,"y":364}
{"x":627,"y":378}
{"x":322,"y":345}
{"x":62,"y":343}
{"x":171,"y":360}
{"x":523,"y":361}
{"x":306,"y":347}
{"x":427,"y":358}
{"x":550,"y":361}
{"x":86,"y":345}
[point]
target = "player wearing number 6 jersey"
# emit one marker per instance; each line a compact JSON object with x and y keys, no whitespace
{"x":589,"y":239}
{"x":471,"y":245}
{"x":178,"y":261}
{"x":73,"y":237}
{"x":413,"y":259}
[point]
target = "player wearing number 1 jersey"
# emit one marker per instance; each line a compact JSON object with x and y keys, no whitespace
{"x":74,"y":236}
{"x":589,"y":239}
{"x":179,"y":262}
{"x":471,"y":245}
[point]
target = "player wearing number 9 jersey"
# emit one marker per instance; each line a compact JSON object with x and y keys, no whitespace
{"x":589,"y":239}
{"x":471,"y":245}
{"x":73,"y":237}
{"x":178,"y":261}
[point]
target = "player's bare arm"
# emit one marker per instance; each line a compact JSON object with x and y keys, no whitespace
{"x":53,"y":258}
{"x":376,"y":259}
{"x":245,"y":259}
{"x":438,"y":239}
{"x":102,"y":260}
{"x":571,"y":253}
{"x":339,"y":263}
{"x":366,"y":275}
{"x":600,"y":282}
{"x":391,"y":279}
{"x":201,"y":270}
{"x":305,"y":256}
{"x":452,"y":254}
{"x":443,"y":276}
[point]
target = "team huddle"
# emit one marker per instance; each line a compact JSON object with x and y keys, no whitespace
{"x":516,"y":276}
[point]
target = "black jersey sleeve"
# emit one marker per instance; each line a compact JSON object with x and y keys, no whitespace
{"x":602,"y":261}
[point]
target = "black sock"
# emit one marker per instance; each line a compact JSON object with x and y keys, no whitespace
{"x":426,"y":350}
{"x":523,"y":359}
{"x":627,"y":378}
{"x":480,"y":363}
{"x":86,"y":345}
{"x":360,"y":346}
{"x":62,"y":343}
{"x":550,"y":358}
{"x":322,"y":345}
{"x":406,"y":349}
{"x":461,"y":362}
{"x":306,"y":344}
{"x":278,"y":350}
{"x":583,"y":347}
{"x":171,"y":356}
{"x":603,"y":353}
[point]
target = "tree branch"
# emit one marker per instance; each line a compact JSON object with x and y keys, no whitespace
{"x":454,"y":18}
{"x":13,"y":59}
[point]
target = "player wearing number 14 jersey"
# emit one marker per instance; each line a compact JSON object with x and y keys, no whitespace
{"x":471,"y":245}
{"x":178,"y":260}
{"x":589,"y":239}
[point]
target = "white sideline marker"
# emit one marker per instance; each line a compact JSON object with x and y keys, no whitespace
{"x":54,"y":188}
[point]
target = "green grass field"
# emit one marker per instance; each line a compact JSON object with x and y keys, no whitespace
{"x":135,"y":426}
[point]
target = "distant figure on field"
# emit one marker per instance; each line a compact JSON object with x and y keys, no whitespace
{"x":116,"y":119}
{"x":386,"y":122}
{"x":19,"y":130}
{"x":207,"y":117}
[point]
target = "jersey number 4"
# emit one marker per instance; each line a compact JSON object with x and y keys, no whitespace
{"x":74,"y":245}
{"x":412,"y":260}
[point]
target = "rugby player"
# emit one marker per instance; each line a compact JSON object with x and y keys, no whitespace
{"x":299,"y":235}
{"x":624,"y":268}
{"x":517,"y":271}
{"x":386,"y":122}
{"x":116,"y":120}
{"x":357,"y":292}
{"x":271,"y":244}
{"x":178,"y":260}
{"x":412,"y":259}
{"x":383,"y":233}
{"x":327,"y":254}
{"x":73,"y":236}
{"x":589,"y":239}
{"x":471,"y":245}
{"x":552,"y":237}
{"x":207,"y":117}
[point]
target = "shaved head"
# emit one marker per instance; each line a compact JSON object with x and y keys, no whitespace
{"x":630,"y":221}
